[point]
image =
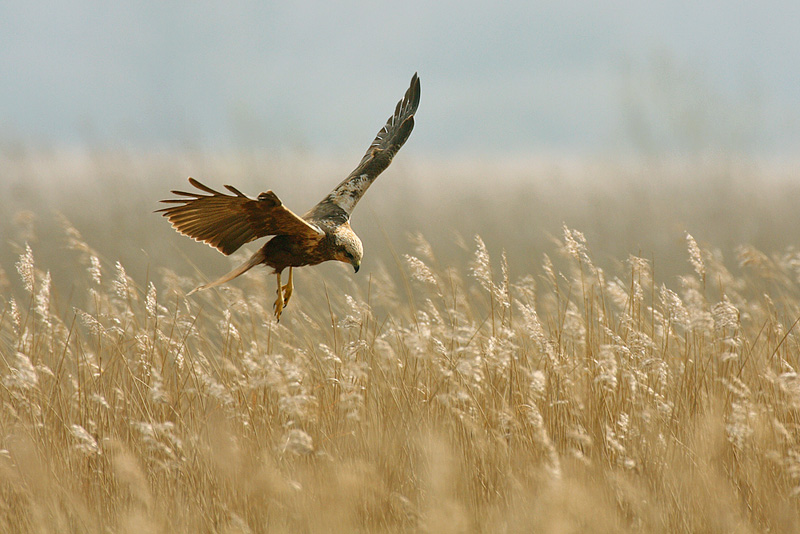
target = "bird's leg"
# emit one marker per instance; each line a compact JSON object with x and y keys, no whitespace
{"x":287,"y":289}
{"x":279,"y":302}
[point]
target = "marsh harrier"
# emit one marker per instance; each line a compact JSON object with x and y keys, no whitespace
{"x":226,"y":222}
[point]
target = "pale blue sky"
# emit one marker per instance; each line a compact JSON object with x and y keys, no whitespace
{"x":497,"y":77}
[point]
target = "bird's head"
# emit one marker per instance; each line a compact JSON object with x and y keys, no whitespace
{"x":348,"y":247}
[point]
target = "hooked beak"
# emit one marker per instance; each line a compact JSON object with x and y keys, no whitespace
{"x":356,"y":266}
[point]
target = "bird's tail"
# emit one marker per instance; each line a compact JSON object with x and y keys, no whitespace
{"x":254,"y":260}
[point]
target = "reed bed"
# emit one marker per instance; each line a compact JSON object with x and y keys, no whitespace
{"x":452,"y":397}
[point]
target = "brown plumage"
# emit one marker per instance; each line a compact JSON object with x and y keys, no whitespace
{"x":226,"y":222}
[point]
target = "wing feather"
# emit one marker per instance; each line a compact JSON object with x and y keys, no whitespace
{"x":339,"y":204}
{"x":227,"y":222}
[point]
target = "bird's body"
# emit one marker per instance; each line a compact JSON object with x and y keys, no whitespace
{"x":284,"y":251}
{"x":227,"y":222}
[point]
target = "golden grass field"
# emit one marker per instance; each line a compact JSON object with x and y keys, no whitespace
{"x":490,"y":369}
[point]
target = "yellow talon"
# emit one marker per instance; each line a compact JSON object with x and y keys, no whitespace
{"x":284,"y":294}
{"x":287,"y":289}
{"x":279,"y":302}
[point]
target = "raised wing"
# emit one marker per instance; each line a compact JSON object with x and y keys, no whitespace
{"x":226,"y":222}
{"x":339,"y":204}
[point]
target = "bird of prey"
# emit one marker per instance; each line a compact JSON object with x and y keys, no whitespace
{"x":226,"y":222}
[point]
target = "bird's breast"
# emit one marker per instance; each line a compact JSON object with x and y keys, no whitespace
{"x":292,"y":251}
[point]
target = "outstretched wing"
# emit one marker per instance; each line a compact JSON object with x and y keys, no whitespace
{"x":226,"y":222}
{"x":339,"y":204}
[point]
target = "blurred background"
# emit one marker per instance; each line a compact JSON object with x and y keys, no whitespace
{"x":635,"y":122}
{"x":501,"y":78}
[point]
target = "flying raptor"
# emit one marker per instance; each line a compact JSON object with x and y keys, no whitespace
{"x":226,"y":222}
